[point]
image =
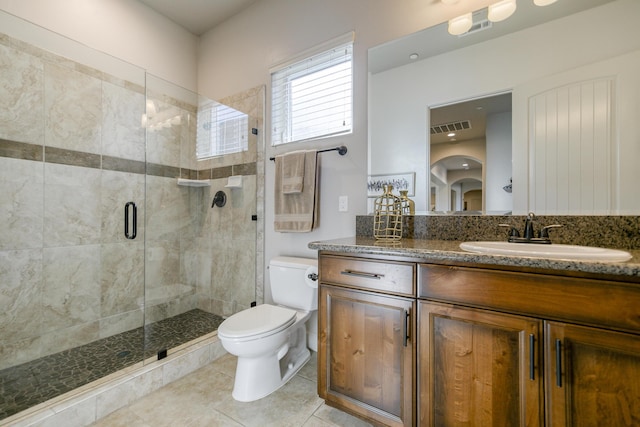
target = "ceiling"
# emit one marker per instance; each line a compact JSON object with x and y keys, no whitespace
{"x":436,"y":40}
{"x":475,"y":111}
{"x":198,"y":16}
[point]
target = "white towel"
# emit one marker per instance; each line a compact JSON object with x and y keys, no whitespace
{"x":297,"y":212}
{"x":293,"y":172}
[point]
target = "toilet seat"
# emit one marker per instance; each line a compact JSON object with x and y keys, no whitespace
{"x":256,"y":322}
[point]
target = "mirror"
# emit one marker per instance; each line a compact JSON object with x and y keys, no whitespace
{"x":470,"y":156}
{"x":571,"y":86}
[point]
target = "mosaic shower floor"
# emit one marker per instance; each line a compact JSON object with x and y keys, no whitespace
{"x":29,"y":384}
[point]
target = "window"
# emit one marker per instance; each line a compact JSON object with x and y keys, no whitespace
{"x":221,"y":130}
{"x":312,"y":98}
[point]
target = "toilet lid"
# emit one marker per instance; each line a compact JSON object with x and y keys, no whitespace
{"x":256,"y":321}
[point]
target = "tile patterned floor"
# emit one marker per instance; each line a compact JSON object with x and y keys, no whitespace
{"x":203,"y":398}
{"x":31,"y":383}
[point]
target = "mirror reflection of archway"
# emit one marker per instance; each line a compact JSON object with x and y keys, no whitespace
{"x":457,"y":184}
{"x":475,"y":130}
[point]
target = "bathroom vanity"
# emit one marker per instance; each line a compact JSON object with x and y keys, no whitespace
{"x":422,"y":333}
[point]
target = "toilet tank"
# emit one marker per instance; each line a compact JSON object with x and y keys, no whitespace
{"x":290,"y":285}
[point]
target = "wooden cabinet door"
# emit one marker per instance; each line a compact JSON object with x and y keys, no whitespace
{"x":478,"y":368}
{"x":365,"y":354}
{"x":593,"y":376}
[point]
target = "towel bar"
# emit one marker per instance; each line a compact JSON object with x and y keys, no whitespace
{"x":342,"y":150}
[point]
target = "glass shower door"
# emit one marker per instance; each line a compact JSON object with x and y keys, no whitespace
{"x":72,"y":154}
{"x":200,"y":258}
{"x":105,"y":260}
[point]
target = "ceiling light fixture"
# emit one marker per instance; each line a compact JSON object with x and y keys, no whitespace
{"x":496,"y":12}
{"x":501,"y":10}
{"x":413,"y":56}
{"x":451,"y":135}
{"x":461,"y":24}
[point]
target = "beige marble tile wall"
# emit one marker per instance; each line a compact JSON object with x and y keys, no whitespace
{"x":231,"y":241}
{"x":170,"y":219}
{"x":68,"y":276}
{"x":199,"y":256}
{"x":72,"y":153}
{"x":229,"y":245}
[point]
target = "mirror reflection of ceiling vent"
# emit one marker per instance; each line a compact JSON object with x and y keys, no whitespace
{"x":477,"y":26}
{"x":480,"y":22}
{"x":450,"y":127}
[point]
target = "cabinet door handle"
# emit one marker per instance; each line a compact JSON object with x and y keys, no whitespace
{"x":406,"y":328}
{"x":532,"y":355}
{"x":559,"y":363}
{"x":362,"y":274}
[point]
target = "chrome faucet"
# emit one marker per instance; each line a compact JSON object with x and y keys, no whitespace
{"x":529,"y":233}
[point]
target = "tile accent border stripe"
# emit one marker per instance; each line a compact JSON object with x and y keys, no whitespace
{"x":71,"y":158}
{"x":21,"y":150}
{"x":122,"y":165}
{"x":39,"y":153}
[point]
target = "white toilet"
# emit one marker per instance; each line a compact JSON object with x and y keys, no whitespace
{"x":271,"y":340}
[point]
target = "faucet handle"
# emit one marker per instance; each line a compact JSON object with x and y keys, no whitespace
{"x":544,"y":231}
{"x":513,"y":232}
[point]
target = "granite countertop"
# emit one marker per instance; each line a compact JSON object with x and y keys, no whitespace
{"x":449,"y":251}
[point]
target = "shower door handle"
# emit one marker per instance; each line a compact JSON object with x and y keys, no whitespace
{"x":134,"y":218}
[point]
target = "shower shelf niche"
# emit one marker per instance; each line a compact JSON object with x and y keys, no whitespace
{"x":194,"y":182}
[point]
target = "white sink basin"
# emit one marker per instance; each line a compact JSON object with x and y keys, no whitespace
{"x":553,"y":251}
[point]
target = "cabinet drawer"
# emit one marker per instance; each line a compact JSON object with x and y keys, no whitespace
{"x":588,"y":301}
{"x":384,"y":276}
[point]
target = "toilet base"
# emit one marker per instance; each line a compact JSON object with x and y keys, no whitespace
{"x":258,"y":377}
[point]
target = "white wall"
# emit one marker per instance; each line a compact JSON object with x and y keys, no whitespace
{"x":498,"y":166}
{"x":239,"y":53}
{"x":494,"y":67}
{"x":125,"y":29}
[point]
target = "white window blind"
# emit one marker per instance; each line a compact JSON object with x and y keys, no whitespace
{"x":221,"y":130}
{"x":313,"y":98}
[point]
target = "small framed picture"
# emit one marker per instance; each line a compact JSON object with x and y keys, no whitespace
{"x":399,"y":181}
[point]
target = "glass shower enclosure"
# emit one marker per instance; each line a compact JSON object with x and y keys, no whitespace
{"x":110,"y":252}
